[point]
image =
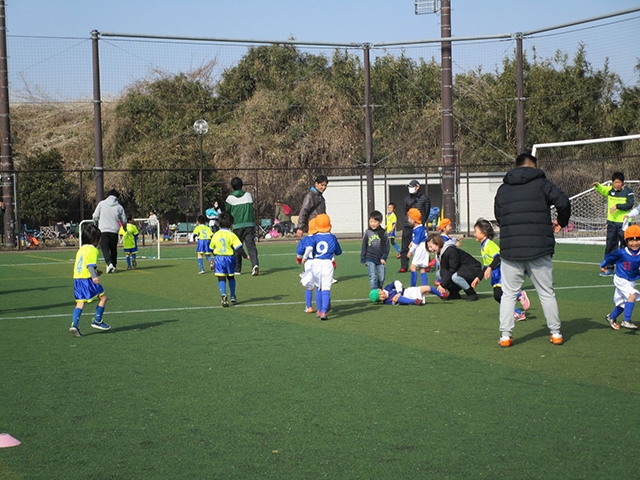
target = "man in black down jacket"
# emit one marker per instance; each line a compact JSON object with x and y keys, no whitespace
{"x":415,"y":199}
{"x":527,"y":242}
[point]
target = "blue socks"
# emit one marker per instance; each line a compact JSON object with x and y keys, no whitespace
{"x":628,"y":310}
{"x":424,"y":279}
{"x":201,"y":264}
{"x":615,"y":313}
{"x":434,"y":291}
{"x":414,"y":278}
{"x":308,"y":298}
{"x":232,"y":286}
{"x":76,"y":316}
{"x":222,"y":285}
{"x":128,"y":261}
{"x":99,"y":312}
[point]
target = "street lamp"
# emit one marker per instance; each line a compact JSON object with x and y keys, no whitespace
{"x":201,"y":127}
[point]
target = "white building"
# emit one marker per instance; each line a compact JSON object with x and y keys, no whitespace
{"x":346,"y":199}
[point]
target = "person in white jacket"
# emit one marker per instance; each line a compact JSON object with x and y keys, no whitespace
{"x":109,"y":216}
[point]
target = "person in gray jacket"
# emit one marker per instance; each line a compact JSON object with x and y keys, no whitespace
{"x":109,"y":216}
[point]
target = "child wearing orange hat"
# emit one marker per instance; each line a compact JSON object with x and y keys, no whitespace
{"x":445,"y":227}
{"x":325,"y":247}
{"x":627,"y":273}
{"x":304,"y":255}
{"x":418,"y":248}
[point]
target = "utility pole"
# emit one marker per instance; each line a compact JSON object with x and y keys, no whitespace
{"x":8,"y":177}
{"x":97,"y":119}
{"x":368,"y":134}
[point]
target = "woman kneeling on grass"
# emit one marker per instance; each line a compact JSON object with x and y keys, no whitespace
{"x":458,"y":269}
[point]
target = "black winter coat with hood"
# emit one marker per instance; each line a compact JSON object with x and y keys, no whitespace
{"x":522,"y":209}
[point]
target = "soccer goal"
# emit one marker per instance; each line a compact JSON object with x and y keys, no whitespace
{"x":575,"y":165}
{"x":148,"y":246}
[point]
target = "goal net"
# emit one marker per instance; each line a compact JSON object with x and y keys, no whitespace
{"x":574,"y":166}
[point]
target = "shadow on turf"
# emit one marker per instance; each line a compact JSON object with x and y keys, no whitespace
{"x":22,"y":290}
{"x":569,"y":328}
{"x":31,"y":309}
{"x":138,"y":326}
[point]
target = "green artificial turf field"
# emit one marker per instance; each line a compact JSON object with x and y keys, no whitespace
{"x":182,"y":388}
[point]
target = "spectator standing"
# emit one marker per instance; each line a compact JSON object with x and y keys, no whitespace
{"x":109,"y":216}
{"x":527,"y":243}
{"x":153,"y":225}
{"x":415,"y":199}
{"x":212,"y":214}
{"x":312,"y":205}
{"x":240,"y":205}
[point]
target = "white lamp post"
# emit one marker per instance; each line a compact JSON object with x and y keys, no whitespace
{"x":201,"y":127}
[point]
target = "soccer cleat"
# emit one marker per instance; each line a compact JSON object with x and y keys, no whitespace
{"x":608,"y":273}
{"x":505,"y":341}
{"x":334,"y":280}
{"x":612,"y":323}
{"x":524,"y":300}
{"x":234,"y":299}
{"x":111,"y":268}
{"x":630,"y":325}
{"x":431,"y":264}
{"x":323,"y":315}
{"x":556,"y":339}
{"x":255,"y":270}
{"x":200,"y":272}
{"x":402,"y":270}
{"x":75,"y":331}
{"x":519,"y":316}
{"x":444,"y":296}
{"x":100,"y":325}
{"x":224,"y":302}
{"x":418,"y":301}
{"x":128,"y":267}
{"x":309,"y":310}
{"x":211,"y":264}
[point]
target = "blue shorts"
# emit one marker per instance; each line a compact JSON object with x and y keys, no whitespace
{"x":204,"y":246}
{"x":224,"y":265}
{"x":86,"y":291}
{"x":131,"y":250}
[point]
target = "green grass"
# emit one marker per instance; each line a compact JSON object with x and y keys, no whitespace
{"x":181,"y":388}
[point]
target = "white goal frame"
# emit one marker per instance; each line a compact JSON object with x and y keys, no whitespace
{"x":587,"y":229}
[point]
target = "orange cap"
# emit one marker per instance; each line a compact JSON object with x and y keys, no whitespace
{"x":323,"y":223}
{"x":443,"y":223}
{"x":633,"y":231}
{"x":415,"y":214}
{"x":312,"y":226}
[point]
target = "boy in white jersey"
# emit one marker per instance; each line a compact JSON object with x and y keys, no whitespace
{"x":86,"y":284}
{"x":325,"y":247}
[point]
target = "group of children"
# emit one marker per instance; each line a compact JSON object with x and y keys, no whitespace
{"x":457,"y":270}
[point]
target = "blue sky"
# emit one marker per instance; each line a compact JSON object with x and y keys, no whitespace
{"x":334,"y":21}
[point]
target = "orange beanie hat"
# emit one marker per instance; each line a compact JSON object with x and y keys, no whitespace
{"x":323,"y":223}
{"x":415,"y":214}
{"x":312,"y":226}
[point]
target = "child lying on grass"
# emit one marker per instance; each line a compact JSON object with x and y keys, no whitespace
{"x":395,"y":294}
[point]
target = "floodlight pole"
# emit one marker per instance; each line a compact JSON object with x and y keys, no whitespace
{"x":97,"y":119}
{"x":448,"y":153}
{"x":8,"y":177}
{"x":201,"y":127}
{"x":367,"y":132}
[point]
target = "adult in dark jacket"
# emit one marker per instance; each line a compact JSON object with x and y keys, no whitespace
{"x":312,"y":204}
{"x":523,"y":210}
{"x":458,"y":269}
{"x":415,"y":199}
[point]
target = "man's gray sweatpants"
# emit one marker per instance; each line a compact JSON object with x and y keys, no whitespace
{"x":514,"y":273}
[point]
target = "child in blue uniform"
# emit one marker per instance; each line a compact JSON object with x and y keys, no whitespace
{"x":86,"y":284}
{"x":224,"y":246}
{"x":129,"y":233}
{"x":325,"y":247}
{"x":202,"y":234}
{"x":418,"y":248}
{"x":304,"y":255}
{"x":396,"y":294}
{"x":627,"y":272}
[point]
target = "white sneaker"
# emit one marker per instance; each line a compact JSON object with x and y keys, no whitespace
{"x":255,"y":271}
{"x":111,"y":268}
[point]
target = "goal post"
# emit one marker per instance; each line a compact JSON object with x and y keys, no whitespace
{"x":575,"y":165}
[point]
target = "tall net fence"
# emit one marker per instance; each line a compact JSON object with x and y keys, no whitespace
{"x":285,"y":136}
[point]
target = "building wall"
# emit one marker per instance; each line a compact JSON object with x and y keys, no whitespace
{"x":346,"y":199}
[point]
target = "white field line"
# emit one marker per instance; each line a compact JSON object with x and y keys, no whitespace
{"x":253,"y":305}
